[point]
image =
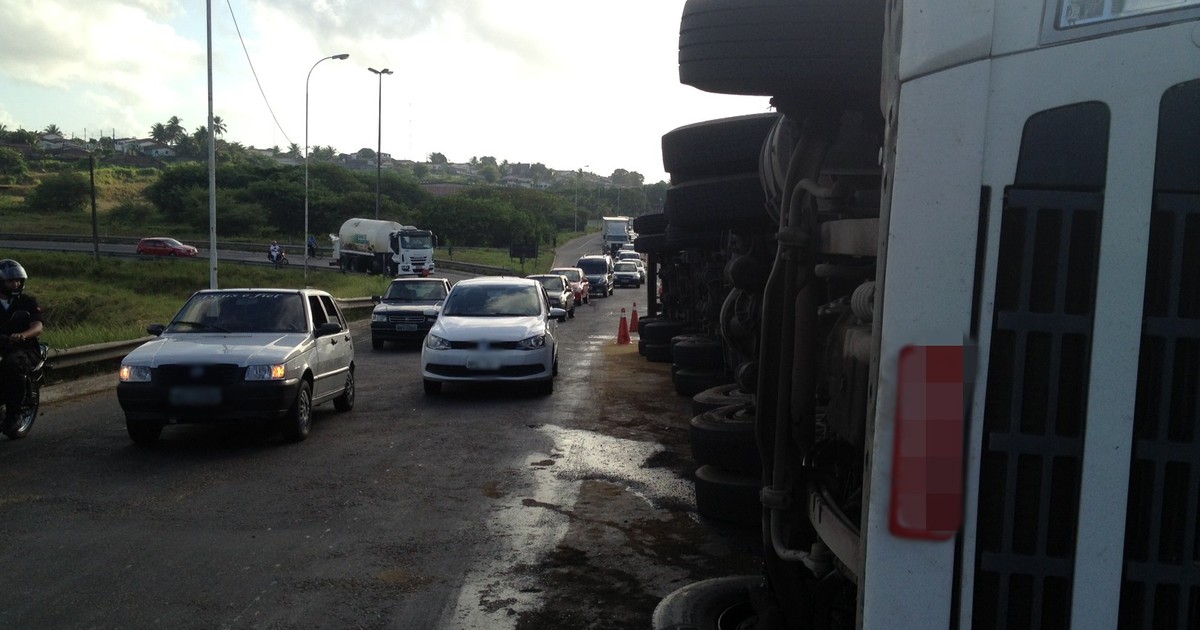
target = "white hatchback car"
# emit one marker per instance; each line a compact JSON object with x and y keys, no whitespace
{"x":493,"y":329}
{"x":240,"y":355}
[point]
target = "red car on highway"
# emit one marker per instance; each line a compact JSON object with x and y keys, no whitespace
{"x":164,"y":246}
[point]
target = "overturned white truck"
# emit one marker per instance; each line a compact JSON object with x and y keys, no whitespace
{"x":952,"y":281}
{"x":383,"y":247}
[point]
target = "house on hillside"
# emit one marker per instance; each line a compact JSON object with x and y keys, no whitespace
{"x":51,"y":141}
{"x":125,"y":146}
{"x":512,"y":181}
{"x":154,"y":148}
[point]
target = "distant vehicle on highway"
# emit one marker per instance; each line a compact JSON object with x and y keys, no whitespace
{"x":164,"y":246}
{"x":578,"y":281}
{"x":626,"y":274}
{"x":558,"y":289}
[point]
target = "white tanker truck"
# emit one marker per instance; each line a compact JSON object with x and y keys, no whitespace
{"x":383,"y":247}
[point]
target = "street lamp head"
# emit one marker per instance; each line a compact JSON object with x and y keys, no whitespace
{"x":341,"y":56}
{"x":380,"y":72}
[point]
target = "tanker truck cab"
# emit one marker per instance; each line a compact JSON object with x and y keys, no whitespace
{"x":979,"y":354}
{"x":412,"y":252}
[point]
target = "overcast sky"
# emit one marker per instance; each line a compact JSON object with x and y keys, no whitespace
{"x":568,"y":83}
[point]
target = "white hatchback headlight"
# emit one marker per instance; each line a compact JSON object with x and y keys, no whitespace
{"x":134,"y":374}
{"x":532,"y":343}
{"x":274,"y":372}
{"x":434,"y":342}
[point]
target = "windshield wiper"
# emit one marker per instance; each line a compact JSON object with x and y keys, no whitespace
{"x":199,"y":325}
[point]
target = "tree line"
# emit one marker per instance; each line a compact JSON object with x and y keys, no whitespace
{"x":259,"y":197}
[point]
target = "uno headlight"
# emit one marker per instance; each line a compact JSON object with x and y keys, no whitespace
{"x":379,"y":317}
{"x":274,"y":372}
{"x":134,"y":374}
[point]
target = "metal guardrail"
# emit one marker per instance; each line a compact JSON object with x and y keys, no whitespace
{"x":110,"y":350}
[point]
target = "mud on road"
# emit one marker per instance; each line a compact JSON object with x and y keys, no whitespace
{"x":632,"y":534}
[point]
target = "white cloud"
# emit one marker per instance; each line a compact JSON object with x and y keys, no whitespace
{"x":564,"y":83}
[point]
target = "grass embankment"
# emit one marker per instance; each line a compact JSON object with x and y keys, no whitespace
{"x":86,"y":302}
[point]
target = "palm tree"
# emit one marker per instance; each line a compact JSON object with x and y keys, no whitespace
{"x":23,"y":136}
{"x":175,"y":130}
{"x":218,"y":126}
{"x":160,"y":133}
{"x":53,"y":129}
{"x":294,"y":150}
{"x":3,"y":131}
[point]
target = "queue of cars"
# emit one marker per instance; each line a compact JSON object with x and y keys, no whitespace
{"x":268,"y":356}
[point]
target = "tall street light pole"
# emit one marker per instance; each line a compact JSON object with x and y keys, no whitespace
{"x":379,"y":139}
{"x":310,"y":71}
{"x":577,"y":176}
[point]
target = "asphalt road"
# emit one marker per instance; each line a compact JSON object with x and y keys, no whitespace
{"x":483,"y":508}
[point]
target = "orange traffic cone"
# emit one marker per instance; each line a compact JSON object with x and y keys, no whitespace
{"x":623,"y":330}
{"x":633,"y":322}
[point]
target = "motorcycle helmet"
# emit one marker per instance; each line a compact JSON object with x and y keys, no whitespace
{"x":12,"y":270}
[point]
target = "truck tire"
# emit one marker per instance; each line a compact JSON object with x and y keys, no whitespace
{"x":720,"y":396}
{"x":728,"y":496}
{"x":713,"y":604}
{"x":690,"y":381}
{"x":647,"y":224}
{"x":651,"y":244}
{"x":730,"y":202}
{"x":715,"y":147}
{"x":657,"y":352}
{"x":684,"y":238}
{"x":660,"y":331}
{"x":827,"y":51}
{"x":724,"y":437}
{"x":698,"y":352}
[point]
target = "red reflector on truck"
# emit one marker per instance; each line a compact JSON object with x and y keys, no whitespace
{"x":927,"y":465}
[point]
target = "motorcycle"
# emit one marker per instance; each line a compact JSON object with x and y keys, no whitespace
{"x":33,"y":392}
{"x":279,"y":261}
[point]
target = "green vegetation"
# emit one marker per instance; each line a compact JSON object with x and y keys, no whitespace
{"x":260,"y":199}
{"x":86,"y":302}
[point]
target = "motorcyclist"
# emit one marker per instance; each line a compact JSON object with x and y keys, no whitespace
{"x":20,"y":325}
{"x":274,"y":252}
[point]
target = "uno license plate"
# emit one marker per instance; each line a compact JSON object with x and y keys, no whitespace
{"x":195,"y":396}
{"x":405,"y":327}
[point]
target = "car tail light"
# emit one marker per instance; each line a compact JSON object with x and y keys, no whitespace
{"x":927,"y":466}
